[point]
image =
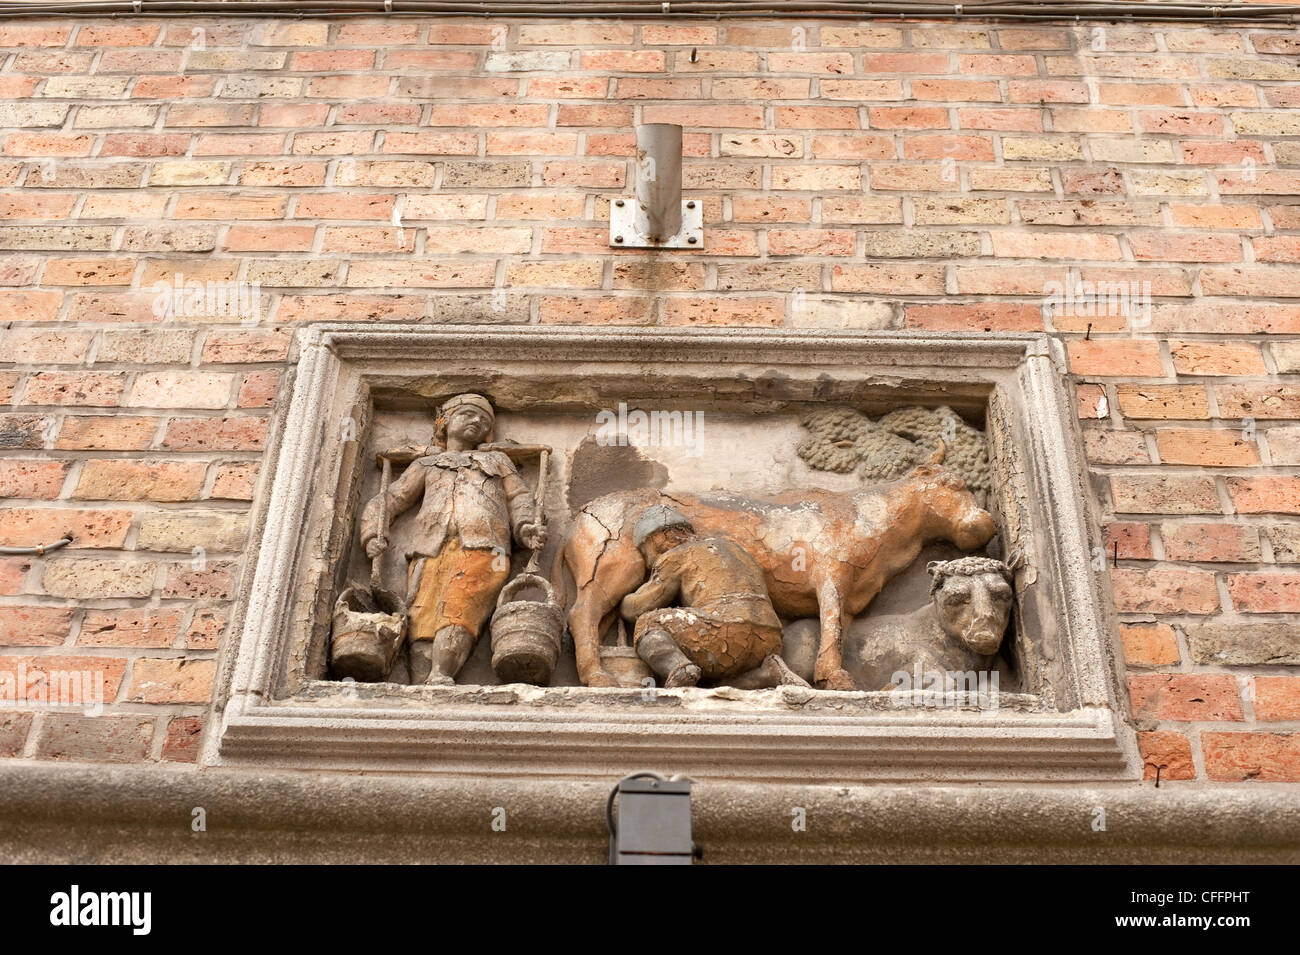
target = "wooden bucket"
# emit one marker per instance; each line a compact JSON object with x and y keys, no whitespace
{"x":620,"y":661}
{"x":526,"y":634}
{"x":366,"y":639}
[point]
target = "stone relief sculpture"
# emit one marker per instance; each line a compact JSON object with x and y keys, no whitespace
{"x":821,"y":553}
{"x":843,"y":440}
{"x":724,"y":625}
{"x":705,"y":582}
{"x":474,"y":504}
{"x":959,"y":629}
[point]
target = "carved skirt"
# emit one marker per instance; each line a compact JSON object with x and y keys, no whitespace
{"x":719,"y":647}
{"x":459,"y":586}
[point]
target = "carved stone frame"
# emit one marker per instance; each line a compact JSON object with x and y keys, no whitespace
{"x":269,"y":710}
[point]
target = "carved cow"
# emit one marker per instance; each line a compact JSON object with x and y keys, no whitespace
{"x":823,"y":553}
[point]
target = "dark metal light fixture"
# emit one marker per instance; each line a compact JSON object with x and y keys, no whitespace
{"x":654,"y":821}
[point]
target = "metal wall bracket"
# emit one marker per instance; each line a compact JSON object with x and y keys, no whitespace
{"x":623,"y":231}
{"x":657,"y":217}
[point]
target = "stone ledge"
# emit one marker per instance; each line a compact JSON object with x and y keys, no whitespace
{"x":51,"y":813}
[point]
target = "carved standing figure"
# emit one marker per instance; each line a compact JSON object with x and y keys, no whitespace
{"x":474,"y":503}
{"x":722,"y":625}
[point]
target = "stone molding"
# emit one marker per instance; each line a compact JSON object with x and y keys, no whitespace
{"x":52,"y":813}
{"x":272,"y":710}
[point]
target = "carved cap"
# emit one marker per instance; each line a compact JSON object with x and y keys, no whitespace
{"x":656,"y":518}
{"x":941,"y":570}
{"x":457,"y":401}
{"x":478,"y":401}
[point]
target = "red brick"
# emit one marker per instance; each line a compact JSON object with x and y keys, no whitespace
{"x":1265,"y":494}
{"x":102,"y":389}
{"x":1277,"y":248}
{"x":42,"y":674}
{"x":13,"y":571}
{"x":1066,"y":246}
{"x":206,"y":629}
{"x":1206,"y":447}
{"x":1164,"y":591}
{"x":624,"y":61}
{"x":886,"y":63}
{"x":1216,"y":358}
{"x":1164,"y":494}
{"x":722,"y":311}
{"x":13,"y":732}
{"x":171,"y":680}
{"x":41,"y":480}
{"x":1261,"y":757}
{"x":1006,"y":120}
{"x":1149,"y":644}
{"x":1185,"y":696}
{"x":235,"y":481}
{"x":1265,"y":593}
{"x":1210,"y":542}
{"x":810,"y":242}
{"x":1112,"y":357}
{"x":1163,"y":401}
{"x":156,"y":628}
{"x":908,"y":117}
{"x":112,"y":739}
{"x":34,"y":526}
{"x":233,"y":433}
{"x":1184,"y":248}
{"x":979,"y":316}
{"x":1128,"y":540}
{"x":129,"y":480}
{"x":216,"y":582}
{"x":34,"y":625}
{"x":1166,"y":755}
{"x":961,"y":91}
{"x":183,"y":739}
{"x":257,"y":390}
{"x":1258,"y":400}
{"x":823,"y":64}
{"x":106,"y":433}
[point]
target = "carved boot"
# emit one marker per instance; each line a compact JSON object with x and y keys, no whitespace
{"x":666,"y":659}
{"x":451,"y":648}
{"x":421,"y":660}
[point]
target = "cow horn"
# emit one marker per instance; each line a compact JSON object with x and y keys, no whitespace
{"x":939,"y":453}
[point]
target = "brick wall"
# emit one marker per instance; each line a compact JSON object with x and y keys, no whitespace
{"x":872,"y":175}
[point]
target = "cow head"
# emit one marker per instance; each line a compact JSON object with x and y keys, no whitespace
{"x":972,"y":597}
{"x":951,"y":511}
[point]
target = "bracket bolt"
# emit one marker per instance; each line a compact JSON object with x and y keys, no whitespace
{"x":619,"y":203}
{"x":618,"y":238}
{"x":691,"y":204}
{"x":692,"y":240}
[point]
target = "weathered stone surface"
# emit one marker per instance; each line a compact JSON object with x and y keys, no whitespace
{"x":77,"y":577}
{"x":120,"y":815}
{"x":1244,"y":644}
{"x":113,"y":739}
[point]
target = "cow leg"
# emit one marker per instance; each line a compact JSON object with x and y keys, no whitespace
{"x":605,"y":572}
{"x":829,"y":672}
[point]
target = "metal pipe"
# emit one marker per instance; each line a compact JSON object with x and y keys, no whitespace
{"x":1133,"y":10}
{"x":658,"y":181}
{"x":40,"y":550}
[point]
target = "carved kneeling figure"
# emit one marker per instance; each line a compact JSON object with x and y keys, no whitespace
{"x":725,"y":627}
{"x":960,"y":629}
